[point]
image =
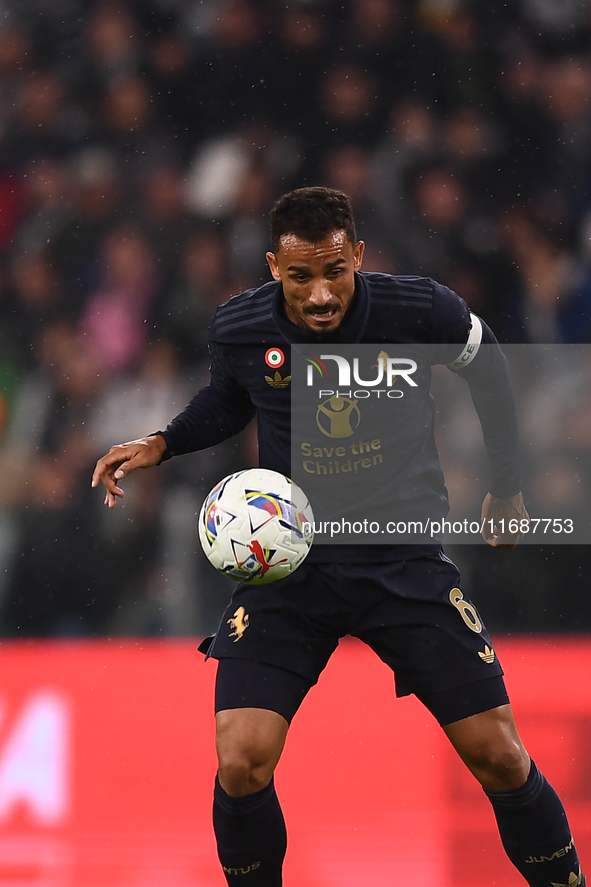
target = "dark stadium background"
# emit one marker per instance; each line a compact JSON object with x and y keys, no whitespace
{"x":141,"y":146}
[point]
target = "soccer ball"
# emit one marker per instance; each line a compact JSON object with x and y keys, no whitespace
{"x":255,"y":526}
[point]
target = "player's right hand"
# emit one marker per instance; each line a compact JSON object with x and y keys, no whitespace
{"x":124,"y":458}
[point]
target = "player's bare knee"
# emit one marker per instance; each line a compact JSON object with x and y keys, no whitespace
{"x":235,"y":776}
{"x":491,"y":748}
{"x":249,"y":743}
{"x":502,"y":768}
{"x":241,"y":775}
{"x":244,"y":766}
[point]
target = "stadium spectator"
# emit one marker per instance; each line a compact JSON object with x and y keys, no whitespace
{"x":463,"y":130}
{"x":116,"y":323}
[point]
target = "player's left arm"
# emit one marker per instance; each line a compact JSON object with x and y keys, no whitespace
{"x":485,"y":368}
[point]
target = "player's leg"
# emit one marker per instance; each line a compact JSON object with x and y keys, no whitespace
{"x":434,"y":639}
{"x":247,"y":818}
{"x":530,"y":816}
{"x":272,"y":645}
{"x":254,"y":707}
{"x":490,"y":746}
{"x":249,"y":742}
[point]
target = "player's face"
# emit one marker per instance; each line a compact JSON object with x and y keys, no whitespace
{"x":318,"y":278}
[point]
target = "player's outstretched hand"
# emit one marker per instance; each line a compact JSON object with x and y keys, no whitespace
{"x":504,"y":521}
{"x":124,"y":458}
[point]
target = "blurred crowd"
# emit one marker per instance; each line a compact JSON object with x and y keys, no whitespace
{"x":141,"y":146}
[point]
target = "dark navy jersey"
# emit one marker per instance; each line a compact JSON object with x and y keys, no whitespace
{"x":385,"y":309}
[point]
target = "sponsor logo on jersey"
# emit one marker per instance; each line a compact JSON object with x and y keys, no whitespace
{"x":238,"y":623}
{"x":488,"y":655}
{"x":277,"y":382}
{"x":338,"y":417}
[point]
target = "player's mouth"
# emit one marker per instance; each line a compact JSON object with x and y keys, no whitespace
{"x":323,"y":315}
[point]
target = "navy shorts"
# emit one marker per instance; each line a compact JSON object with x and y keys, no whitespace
{"x":274,"y":640}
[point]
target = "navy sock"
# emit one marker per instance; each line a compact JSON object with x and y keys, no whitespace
{"x":251,"y":837}
{"x":535,"y":833}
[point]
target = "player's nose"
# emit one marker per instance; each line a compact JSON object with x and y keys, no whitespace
{"x":320,"y":294}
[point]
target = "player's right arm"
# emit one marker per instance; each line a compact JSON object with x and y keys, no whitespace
{"x":217,"y":412}
{"x":124,"y":458}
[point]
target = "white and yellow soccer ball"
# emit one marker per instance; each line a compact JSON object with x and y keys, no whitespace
{"x":255,"y":526}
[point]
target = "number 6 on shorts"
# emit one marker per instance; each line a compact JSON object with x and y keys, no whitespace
{"x":466,"y":610}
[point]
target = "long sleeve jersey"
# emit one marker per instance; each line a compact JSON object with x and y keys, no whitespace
{"x":385,"y":310}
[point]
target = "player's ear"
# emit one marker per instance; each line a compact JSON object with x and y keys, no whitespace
{"x":358,"y":255}
{"x":273,"y":266}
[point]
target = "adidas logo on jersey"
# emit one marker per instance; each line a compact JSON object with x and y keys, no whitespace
{"x":488,"y":655}
{"x":277,"y":382}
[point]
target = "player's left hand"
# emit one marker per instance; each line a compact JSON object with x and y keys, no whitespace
{"x":499,"y":516}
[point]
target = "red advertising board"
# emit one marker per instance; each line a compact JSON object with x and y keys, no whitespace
{"x":107,"y":766}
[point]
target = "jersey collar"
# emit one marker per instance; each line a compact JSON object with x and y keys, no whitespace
{"x":351,"y":330}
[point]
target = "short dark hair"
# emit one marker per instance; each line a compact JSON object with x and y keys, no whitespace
{"x":312,"y":214}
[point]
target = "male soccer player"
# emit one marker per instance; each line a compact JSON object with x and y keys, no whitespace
{"x":402,"y":600}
